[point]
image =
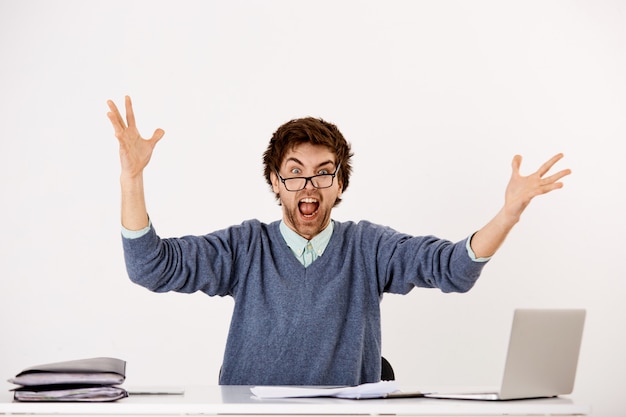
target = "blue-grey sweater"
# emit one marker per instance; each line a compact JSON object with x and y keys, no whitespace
{"x":293,"y":325}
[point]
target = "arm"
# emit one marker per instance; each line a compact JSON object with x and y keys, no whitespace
{"x":519,"y":192}
{"x":135,"y":153}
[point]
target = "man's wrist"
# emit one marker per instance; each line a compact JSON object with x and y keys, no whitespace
{"x":471,"y":252}
{"x":135,"y":234}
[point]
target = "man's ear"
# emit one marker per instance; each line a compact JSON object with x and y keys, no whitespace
{"x":275,"y":182}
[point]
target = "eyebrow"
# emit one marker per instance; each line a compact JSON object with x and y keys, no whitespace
{"x":297,"y":161}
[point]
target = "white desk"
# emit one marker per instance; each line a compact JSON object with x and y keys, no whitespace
{"x":237,"y":400}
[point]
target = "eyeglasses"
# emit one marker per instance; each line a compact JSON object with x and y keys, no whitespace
{"x":318,"y":181}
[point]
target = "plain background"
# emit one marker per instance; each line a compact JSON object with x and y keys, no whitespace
{"x":436,"y":98}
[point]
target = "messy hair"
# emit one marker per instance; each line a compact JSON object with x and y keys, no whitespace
{"x":308,"y":130}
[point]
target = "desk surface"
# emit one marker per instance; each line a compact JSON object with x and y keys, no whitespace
{"x":238,"y":400}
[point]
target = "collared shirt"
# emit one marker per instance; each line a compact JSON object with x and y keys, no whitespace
{"x":471,"y":253}
{"x":306,"y":251}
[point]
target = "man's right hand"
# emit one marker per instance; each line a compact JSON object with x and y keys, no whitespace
{"x":135,"y":151}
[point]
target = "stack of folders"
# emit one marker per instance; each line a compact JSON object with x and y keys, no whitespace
{"x":83,"y":380}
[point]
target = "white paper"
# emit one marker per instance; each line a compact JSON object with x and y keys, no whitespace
{"x":371,"y":390}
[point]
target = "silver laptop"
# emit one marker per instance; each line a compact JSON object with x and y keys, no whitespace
{"x":542,"y":356}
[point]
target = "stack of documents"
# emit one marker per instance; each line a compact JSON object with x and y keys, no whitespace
{"x":85,"y":380}
{"x":382,"y":389}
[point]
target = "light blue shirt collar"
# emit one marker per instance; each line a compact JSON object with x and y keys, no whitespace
{"x":307,"y":250}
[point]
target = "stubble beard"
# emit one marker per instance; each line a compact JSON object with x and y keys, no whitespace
{"x":308,"y":229}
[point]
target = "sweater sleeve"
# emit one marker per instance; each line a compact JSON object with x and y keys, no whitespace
{"x":404,"y":262}
{"x":187,"y":264}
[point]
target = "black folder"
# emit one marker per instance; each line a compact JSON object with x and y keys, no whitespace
{"x":93,"y":379}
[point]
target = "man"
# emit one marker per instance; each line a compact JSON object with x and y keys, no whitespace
{"x":307,"y":289}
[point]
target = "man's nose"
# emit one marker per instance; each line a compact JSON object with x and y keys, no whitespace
{"x":308,"y":184}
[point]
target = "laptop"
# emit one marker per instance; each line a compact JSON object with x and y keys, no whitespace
{"x":542,"y":356}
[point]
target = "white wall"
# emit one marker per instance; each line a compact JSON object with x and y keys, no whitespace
{"x":436,"y":97}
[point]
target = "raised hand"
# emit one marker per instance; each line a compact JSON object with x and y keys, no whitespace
{"x":135,"y":151}
{"x":519,"y":193}
{"x":522,"y":189}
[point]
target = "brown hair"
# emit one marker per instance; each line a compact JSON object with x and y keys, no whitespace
{"x":314,"y":131}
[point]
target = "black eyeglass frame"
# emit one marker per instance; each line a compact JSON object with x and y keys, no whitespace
{"x":310,"y":179}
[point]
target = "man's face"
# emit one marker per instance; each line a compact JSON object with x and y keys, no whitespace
{"x":307,"y":211}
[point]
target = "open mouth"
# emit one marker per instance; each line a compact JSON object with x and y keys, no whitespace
{"x":308,"y":206}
